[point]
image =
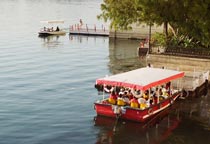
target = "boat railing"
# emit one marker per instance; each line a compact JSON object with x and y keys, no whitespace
{"x":87,"y":28}
{"x":106,"y":102}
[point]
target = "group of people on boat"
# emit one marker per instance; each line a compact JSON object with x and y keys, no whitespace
{"x":137,"y":98}
{"x":51,"y":29}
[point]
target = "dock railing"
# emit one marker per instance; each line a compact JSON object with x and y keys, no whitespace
{"x":89,"y":30}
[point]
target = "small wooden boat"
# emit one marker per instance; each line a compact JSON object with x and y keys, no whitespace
{"x":47,"y":33}
{"x":150,"y":80}
{"x":50,"y":30}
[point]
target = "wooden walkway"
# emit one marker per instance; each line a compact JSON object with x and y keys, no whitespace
{"x":76,"y":30}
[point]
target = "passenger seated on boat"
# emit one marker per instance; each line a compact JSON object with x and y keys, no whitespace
{"x":137,"y":93}
{"x":112,"y":98}
{"x":151,"y":100}
{"x":122,"y":90}
{"x":44,"y":29}
{"x":57,"y":28}
{"x":108,"y":89}
{"x":120,"y":101}
{"x":130,"y":95}
{"x":146,"y":95}
{"x":51,"y":29}
{"x":160,"y":92}
{"x":161,"y":95}
{"x":134,"y":103}
{"x":148,"y":103}
{"x":142,"y":103}
{"x":126,"y":98}
{"x":164,"y":93}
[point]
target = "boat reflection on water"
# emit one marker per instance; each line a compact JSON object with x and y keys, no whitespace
{"x":154,"y":130}
{"x":51,"y":41}
{"x":84,"y":40}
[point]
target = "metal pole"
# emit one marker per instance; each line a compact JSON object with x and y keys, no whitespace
{"x":103,"y":91}
{"x":149,"y":37}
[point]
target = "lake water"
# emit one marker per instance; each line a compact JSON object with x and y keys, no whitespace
{"x":47,"y":84}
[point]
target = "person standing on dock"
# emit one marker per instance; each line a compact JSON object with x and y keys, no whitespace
{"x":81,"y":23}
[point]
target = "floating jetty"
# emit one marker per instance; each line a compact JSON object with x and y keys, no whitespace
{"x":93,"y":31}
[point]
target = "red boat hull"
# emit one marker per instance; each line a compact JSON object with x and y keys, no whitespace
{"x":134,"y":114}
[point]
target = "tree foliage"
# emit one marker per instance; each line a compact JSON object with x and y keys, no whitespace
{"x":189,"y":18}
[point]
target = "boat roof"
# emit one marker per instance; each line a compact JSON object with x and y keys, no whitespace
{"x":142,"y":79}
{"x":53,"y":21}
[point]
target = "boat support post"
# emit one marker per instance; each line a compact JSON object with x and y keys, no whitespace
{"x":116,"y":121}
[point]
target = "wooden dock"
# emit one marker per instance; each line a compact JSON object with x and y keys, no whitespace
{"x":94,"y":31}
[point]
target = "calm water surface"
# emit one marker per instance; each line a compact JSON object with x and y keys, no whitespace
{"x":47,"y":84}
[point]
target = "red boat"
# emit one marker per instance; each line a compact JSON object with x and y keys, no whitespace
{"x":150,"y":80}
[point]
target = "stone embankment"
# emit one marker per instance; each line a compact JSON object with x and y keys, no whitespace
{"x":186,"y":64}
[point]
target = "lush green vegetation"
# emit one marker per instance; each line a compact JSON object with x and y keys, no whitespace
{"x":186,"y":22}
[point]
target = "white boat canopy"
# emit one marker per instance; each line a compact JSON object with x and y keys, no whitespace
{"x":142,"y":79}
{"x":53,"y":21}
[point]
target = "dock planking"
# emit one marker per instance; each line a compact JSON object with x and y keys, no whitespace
{"x":78,"y":30}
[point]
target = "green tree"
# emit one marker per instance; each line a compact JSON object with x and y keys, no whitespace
{"x":188,"y":18}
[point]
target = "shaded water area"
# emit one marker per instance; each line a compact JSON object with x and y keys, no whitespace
{"x":47,"y":84}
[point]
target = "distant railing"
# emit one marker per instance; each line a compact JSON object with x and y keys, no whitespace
{"x":188,"y":52}
{"x":88,"y":28}
{"x":198,"y":51}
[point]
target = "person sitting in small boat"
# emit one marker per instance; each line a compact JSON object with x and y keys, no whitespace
{"x":122,"y":90}
{"x":57,"y":29}
{"x":134,"y":103}
{"x":142,"y":103}
{"x":108,"y":89}
{"x":136,"y":94}
{"x":146,"y":95}
{"x":44,"y":29}
{"x":126,"y":98}
{"x":120,"y":100}
{"x":130,"y":95}
{"x":151,"y":100}
{"x":148,"y":103}
{"x":164,"y":93}
{"x":112,"y":98}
